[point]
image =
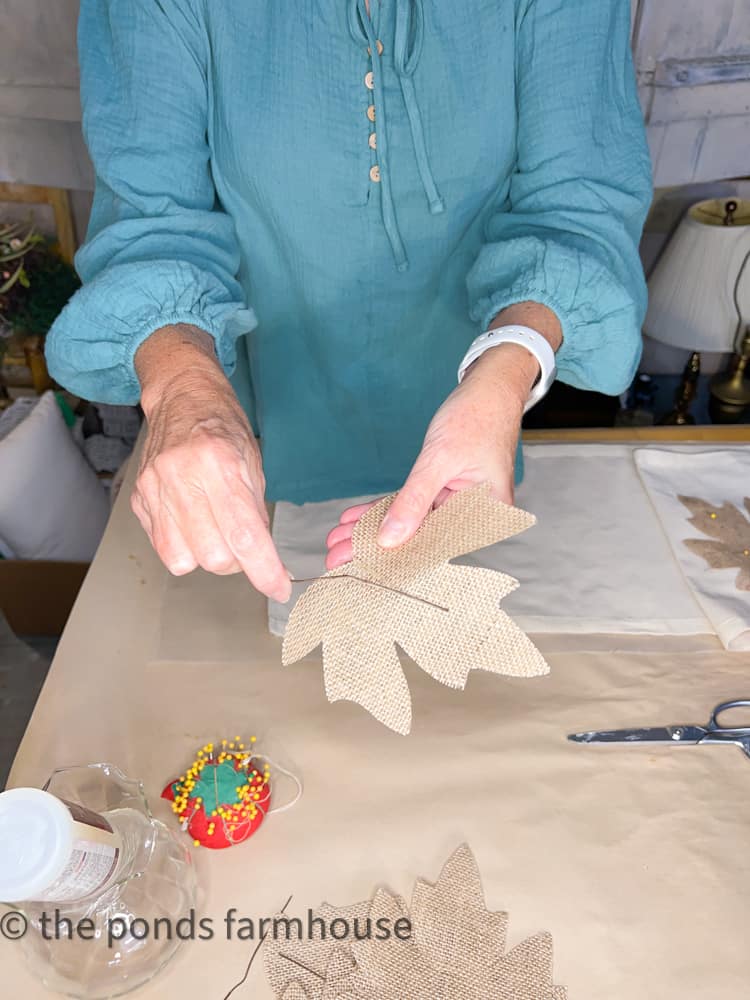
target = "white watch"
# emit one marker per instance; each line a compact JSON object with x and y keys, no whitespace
{"x":534,"y":342}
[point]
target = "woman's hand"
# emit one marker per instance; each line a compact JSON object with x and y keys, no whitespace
{"x":471,"y":439}
{"x":200,"y":488}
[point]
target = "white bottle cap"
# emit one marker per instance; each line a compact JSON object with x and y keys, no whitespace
{"x":36,"y":840}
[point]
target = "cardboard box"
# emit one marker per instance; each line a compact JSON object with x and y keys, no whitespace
{"x":36,"y":596}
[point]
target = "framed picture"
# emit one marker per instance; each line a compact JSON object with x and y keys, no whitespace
{"x":23,"y":370}
{"x":59,"y":202}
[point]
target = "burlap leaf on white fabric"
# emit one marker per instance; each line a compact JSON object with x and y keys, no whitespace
{"x":456,"y":951}
{"x":731,"y":530}
{"x":445,"y":617}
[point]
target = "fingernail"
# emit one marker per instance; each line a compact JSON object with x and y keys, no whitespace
{"x":392,"y":531}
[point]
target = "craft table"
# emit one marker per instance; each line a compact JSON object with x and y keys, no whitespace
{"x":636,"y":860}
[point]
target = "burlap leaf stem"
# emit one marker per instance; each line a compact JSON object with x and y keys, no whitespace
{"x":358,"y":624}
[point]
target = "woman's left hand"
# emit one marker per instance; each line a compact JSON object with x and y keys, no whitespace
{"x":471,"y":439}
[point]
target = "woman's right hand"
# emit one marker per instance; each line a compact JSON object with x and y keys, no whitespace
{"x":200,"y":488}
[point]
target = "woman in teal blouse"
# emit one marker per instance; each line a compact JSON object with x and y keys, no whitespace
{"x":304,"y":214}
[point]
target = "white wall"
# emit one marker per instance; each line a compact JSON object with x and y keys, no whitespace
{"x":693,"y":64}
{"x":40,"y":131}
{"x":692,"y":59}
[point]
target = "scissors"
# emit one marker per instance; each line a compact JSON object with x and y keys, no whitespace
{"x":687,"y":735}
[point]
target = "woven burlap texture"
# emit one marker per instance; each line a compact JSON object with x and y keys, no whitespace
{"x":457,"y":950}
{"x":315,"y":967}
{"x":462,"y":628}
{"x":730,"y":529}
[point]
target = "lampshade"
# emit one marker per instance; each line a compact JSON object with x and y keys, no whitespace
{"x":699,"y":292}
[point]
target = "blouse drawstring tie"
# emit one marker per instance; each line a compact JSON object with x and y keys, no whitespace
{"x":408,"y":38}
{"x":407,"y":49}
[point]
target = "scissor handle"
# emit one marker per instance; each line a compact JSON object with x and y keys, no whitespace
{"x":725,"y":706}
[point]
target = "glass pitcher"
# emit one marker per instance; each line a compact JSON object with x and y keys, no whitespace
{"x":122,"y":934}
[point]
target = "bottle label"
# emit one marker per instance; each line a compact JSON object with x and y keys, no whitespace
{"x":93,"y":859}
{"x":90,"y":866}
{"x":89,"y":825}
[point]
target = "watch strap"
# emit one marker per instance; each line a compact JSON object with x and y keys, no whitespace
{"x":524,"y":336}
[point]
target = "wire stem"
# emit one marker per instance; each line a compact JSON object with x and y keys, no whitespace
{"x":373,"y":583}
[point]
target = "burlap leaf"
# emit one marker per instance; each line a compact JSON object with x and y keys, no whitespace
{"x":730,"y":529}
{"x":445,"y":617}
{"x":456,"y":951}
{"x":457,"y":947}
{"x":294,"y":992}
{"x":315,"y":964}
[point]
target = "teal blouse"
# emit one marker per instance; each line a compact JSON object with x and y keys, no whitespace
{"x":345,"y":202}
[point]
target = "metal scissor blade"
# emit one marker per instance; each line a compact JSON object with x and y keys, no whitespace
{"x":656,"y":734}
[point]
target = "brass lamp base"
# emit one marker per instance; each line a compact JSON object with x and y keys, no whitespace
{"x":730,"y":391}
{"x":685,"y":394}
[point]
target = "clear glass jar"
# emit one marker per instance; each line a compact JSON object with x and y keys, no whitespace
{"x":122,"y":934}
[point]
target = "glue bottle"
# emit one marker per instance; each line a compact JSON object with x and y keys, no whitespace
{"x":52,"y":850}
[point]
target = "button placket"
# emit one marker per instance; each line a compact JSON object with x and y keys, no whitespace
{"x":378,"y":143}
{"x":370,"y":84}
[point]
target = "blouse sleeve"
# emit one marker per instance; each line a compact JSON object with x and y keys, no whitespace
{"x":579,"y":194}
{"x":159,"y":250}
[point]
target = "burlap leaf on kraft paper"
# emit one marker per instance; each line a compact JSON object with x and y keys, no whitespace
{"x":445,"y":617}
{"x":316,"y":967}
{"x":456,"y":950}
{"x":730,"y":529}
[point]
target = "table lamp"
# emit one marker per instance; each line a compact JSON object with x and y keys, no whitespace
{"x":699,"y":300}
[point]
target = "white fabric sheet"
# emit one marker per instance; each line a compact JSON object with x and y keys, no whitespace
{"x":717,"y":477}
{"x":596,"y":562}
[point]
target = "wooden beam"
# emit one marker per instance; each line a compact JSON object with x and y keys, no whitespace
{"x":716,"y":433}
{"x":60,"y":201}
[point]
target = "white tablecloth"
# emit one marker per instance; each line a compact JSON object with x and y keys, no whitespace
{"x":717,"y":477}
{"x":596,"y":562}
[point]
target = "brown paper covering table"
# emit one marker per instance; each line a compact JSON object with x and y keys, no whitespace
{"x":636,"y":860}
